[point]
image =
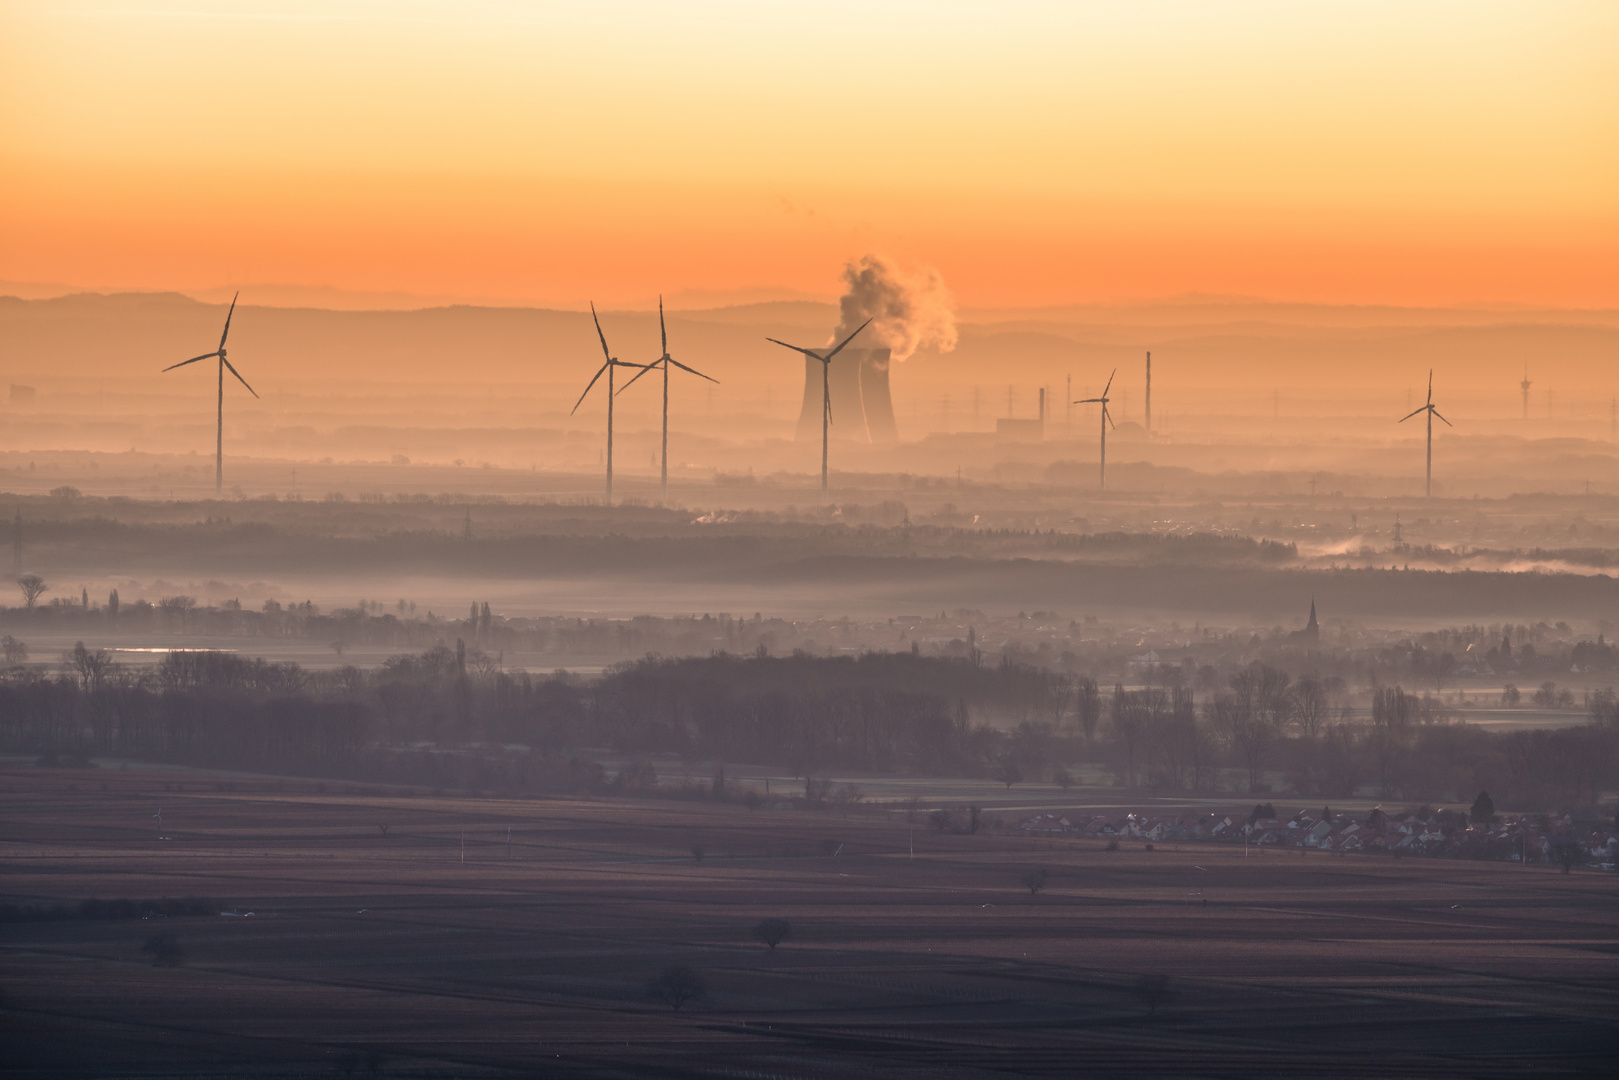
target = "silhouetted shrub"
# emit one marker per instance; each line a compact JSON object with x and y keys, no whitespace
{"x":1154,"y":991}
{"x":676,"y":985}
{"x":772,"y":931}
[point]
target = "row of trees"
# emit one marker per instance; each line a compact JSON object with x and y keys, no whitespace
{"x":459,"y":715}
{"x":396,"y":625}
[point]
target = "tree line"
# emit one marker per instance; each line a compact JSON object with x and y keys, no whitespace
{"x":451,"y":717}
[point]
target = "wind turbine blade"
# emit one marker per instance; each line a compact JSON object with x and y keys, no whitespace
{"x":193,"y":360}
{"x":228,"y":314}
{"x":1109,"y":385}
{"x":694,"y":371}
{"x":1108,"y":417}
{"x":1430,"y":386}
{"x":795,"y":348}
{"x":848,"y":339}
{"x":1412,"y":413}
{"x":601,"y":335}
{"x":637,"y":375}
{"x":238,"y":375}
{"x":1447,"y":422}
{"x":592,"y":382}
{"x":661,"y":329}
{"x":1089,"y":400}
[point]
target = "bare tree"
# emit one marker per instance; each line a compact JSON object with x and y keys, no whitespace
{"x":1034,"y":879}
{"x":1264,"y":691}
{"x":772,"y":931}
{"x":676,"y":985}
{"x":1251,"y":715}
{"x":1179,"y":753}
{"x":1061,"y":694}
{"x":15,"y":650}
{"x":177,"y":606}
{"x":1088,"y":707}
{"x":1604,"y":707}
{"x":1391,"y":723}
{"x":1154,"y":991}
{"x":1128,"y":720}
{"x":1311,"y":705}
{"x":1343,"y":758}
{"x":92,"y":667}
{"x":33,"y":587}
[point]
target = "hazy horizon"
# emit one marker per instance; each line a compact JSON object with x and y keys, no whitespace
{"x":818,"y":539}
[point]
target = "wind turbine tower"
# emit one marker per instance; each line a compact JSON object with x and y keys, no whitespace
{"x":1524,"y":386}
{"x":1147,"y":418}
{"x":663,"y":362}
{"x":826,"y":387}
{"x":608,"y":366}
{"x":219,"y":435}
{"x":1101,"y":473}
{"x":1427,"y":488}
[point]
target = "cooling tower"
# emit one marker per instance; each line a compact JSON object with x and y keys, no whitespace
{"x":874,"y":393}
{"x":862,"y":408}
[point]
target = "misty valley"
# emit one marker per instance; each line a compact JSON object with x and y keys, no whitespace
{"x":799,"y":541}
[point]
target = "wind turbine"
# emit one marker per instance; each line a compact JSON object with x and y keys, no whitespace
{"x":1427,"y":490}
{"x":664,"y":361}
{"x":611,"y":363}
{"x":1101,"y":475}
{"x":219,"y":437}
{"x":826,"y":386}
{"x":1524,"y":386}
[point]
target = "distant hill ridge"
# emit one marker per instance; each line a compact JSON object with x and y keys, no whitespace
{"x":1194,"y":342}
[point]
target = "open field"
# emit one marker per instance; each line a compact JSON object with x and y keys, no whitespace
{"x":441,"y":949}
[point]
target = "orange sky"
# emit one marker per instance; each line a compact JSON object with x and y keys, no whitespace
{"x":1034,"y":152}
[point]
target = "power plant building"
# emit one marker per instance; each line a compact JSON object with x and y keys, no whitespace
{"x":862,"y":407}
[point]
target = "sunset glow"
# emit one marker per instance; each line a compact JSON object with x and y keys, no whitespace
{"x":1035,"y":153}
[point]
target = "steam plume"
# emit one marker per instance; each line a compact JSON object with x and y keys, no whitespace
{"x":909,"y":309}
